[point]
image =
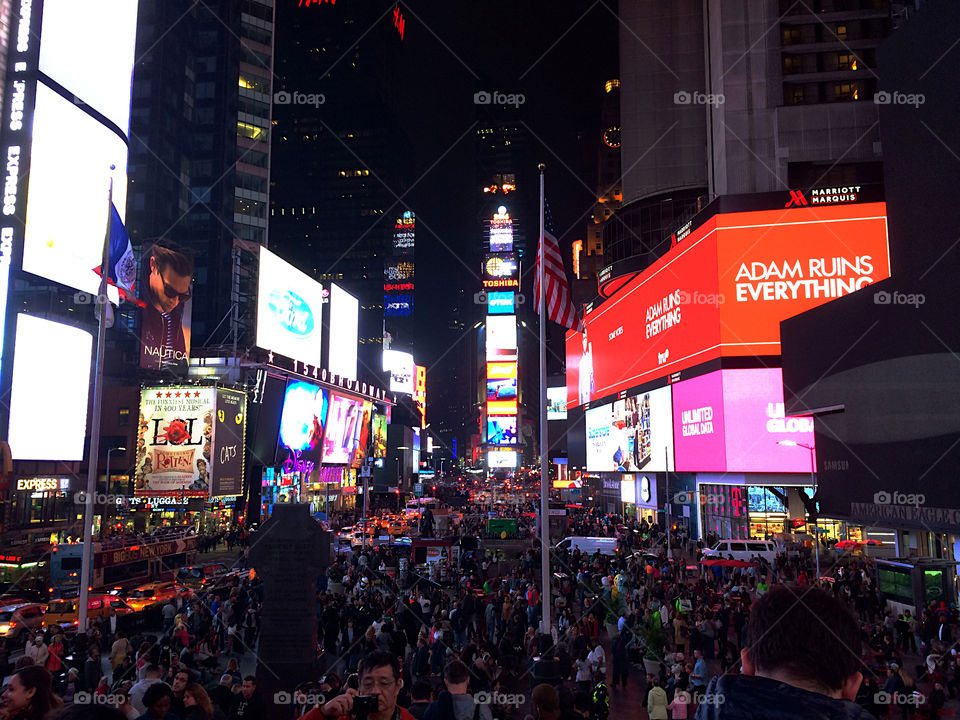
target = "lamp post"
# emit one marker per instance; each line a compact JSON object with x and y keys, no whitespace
{"x":813,"y":485}
{"x":107,"y":504}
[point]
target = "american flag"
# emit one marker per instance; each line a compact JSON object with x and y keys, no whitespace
{"x":560,"y":308}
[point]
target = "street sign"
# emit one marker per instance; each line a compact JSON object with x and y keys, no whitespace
{"x":365,"y":471}
{"x":418,"y":489}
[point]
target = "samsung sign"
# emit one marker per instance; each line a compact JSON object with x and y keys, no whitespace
{"x":288,"y":310}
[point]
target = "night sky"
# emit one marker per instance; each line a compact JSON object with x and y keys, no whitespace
{"x":558,"y":55}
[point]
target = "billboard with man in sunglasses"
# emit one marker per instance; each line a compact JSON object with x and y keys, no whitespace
{"x":167,"y":284}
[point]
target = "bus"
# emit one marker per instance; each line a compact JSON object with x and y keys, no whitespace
{"x":122,"y":563}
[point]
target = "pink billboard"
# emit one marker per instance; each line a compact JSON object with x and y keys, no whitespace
{"x":698,"y":428}
{"x":733,"y":421}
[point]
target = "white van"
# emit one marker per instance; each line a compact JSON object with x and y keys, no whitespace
{"x":745,"y":550}
{"x":589,"y":545}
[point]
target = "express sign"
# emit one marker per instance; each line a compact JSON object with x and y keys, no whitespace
{"x":723,"y":291}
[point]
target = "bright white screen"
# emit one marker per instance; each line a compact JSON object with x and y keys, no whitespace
{"x":501,"y":458}
{"x":400,"y":365}
{"x":501,"y":337}
{"x":288,"y":310}
{"x":88,"y":48}
{"x":344,"y":324}
{"x":68,"y":192}
{"x":48,"y":400}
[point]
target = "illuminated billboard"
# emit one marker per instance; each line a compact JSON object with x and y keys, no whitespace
{"x":733,"y":420}
{"x":398,"y":270}
{"x":344,"y":323}
{"x":302,"y":423}
{"x":502,"y":459}
{"x":501,"y":389}
{"x":500,"y":265}
{"x":502,"y":370}
{"x":362,"y":431}
{"x":632,"y":434}
{"x":502,"y":430}
{"x":502,"y":407}
{"x":501,"y":302}
{"x":165,"y":327}
{"x":404,"y":232}
{"x":723,"y":291}
{"x":379,"y":435}
{"x":50,"y":385}
{"x":343,"y":430}
{"x":557,"y":403}
{"x":400,"y":365}
{"x":69,"y":185}
{"x":289,"y":306}
{"x":501,"y":231}
{"x":175,"y":441}
{"x":398,"y":305}
{"x":229,"y":433}
{"x":501,"y":337}
{"x":420,"y":392}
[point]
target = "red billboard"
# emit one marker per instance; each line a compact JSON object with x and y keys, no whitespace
{"x":723,"y":291}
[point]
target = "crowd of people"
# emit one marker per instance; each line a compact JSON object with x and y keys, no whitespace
{"x":666,"y":634}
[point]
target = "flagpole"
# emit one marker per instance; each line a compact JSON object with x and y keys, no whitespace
{"x":93,"y":456}
{"x":545,"y":595}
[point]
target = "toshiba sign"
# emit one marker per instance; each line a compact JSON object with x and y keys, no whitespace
{"x":723,"y":291}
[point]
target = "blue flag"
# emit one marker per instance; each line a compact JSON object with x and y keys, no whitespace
{"x":122,"y":273}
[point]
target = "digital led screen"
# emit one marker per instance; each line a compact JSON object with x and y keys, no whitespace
{"x":632,"y":434}
{"x":229,"y":435}
{"x":91,"y":53}
{"x":501,"y":337}
{"x":723,"y":291}
{"x":343,"y":429}
{"x":361,"y":433}
{"x":379,"y":435}
{"x":50,"y":385}
{"x":501,"y":231}
{"x":501,"y":389}
{"x":398,"y":305}
{"x":500,"y":302}
{"x":501,"y":265}
{"x":175,"y":441}
{"x":344,"y":323}
{"x":398,"y":270}
{"x":501,"y":459}
{"x":502,"y":430}
{"x":400,"y":365}
{"x":289,"y":306}
{"x":302,"y":422}
{"x":732,"y":421}
{"x":557,"y":403}
{"x":67,"y":199}
{"x":497,"y":370}
{"x":760,"y":499}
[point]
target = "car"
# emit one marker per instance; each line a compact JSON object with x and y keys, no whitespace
{"x":17,"y":621}
{"x":589,"y":545}
{"x":65,"y":611}
{"x":745,"y":550}
{"x":155,"y":593}
{"x":197,"y":576}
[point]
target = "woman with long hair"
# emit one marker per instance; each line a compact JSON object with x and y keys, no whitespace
{"x":29,"y":695}
{"x":197,"y":703}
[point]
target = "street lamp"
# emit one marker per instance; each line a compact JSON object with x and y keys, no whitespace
{"x":813,"y":485}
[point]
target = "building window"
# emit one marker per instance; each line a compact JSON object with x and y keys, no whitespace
{"x":792,"y":36}
{"x":123,"y":419}
{"x":841,"y":32}
{"x":252,"y":208}
{"x":845,"y":91}
{"x":252,"y":82}
{"x":794,"y":95}
{"x":251,"y":131}
{"x":846,"y":61}
{"x":791,"y":64}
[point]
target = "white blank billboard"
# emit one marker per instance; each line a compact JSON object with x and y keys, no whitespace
{"x":48,"y":399}
{"x":400,"y":365}
{"x":289,"y":305}
{"x":344,"y":332}
{"x":88,"y":48}
{"x":67,"y":200}
{"x":501,"y":337}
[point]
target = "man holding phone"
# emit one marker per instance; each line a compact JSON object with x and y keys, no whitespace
{"x":379,"y":680}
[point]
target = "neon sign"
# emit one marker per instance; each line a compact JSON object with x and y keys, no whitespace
{"x":399,"y":21}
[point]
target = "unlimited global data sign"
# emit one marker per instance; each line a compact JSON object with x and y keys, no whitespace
{"x":289,"y":304}
{"x":723,"y":291}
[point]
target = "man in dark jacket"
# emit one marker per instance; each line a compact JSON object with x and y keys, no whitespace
{"x":802,"y":661}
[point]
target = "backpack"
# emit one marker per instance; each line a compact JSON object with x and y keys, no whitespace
{"x":601,"y":702}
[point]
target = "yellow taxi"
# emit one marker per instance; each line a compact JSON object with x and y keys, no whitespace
{"x":155,"y":593}
{"x":65,"y":611}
